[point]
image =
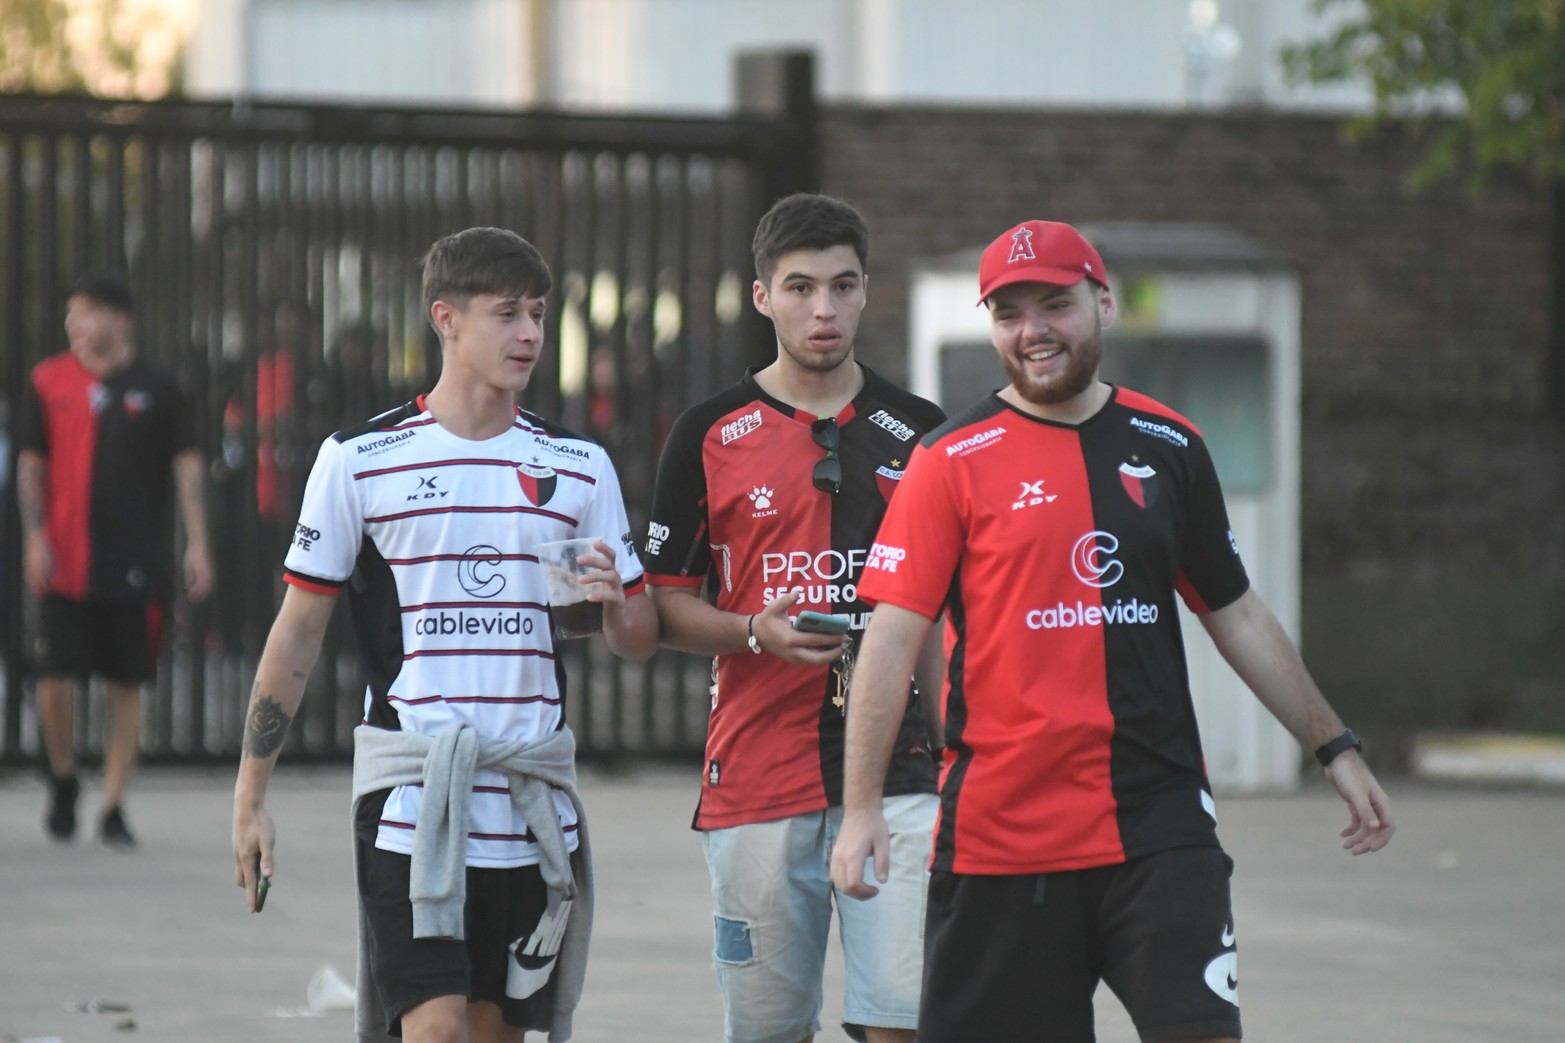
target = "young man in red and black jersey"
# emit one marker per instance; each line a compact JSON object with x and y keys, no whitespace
{"x":767,"y":498}
{"x":106,"y":437}
{"x":1053,"y":522}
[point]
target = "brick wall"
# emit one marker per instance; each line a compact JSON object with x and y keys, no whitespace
{"x":1433,"y":495}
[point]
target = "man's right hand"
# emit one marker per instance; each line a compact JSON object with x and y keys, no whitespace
{"x":253,"y":837}
{"x":774,"y":630}
{"x":37,"y":562}
{"x":863,"y":833}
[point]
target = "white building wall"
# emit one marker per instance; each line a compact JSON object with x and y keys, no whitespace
{"x":437,"y":52}
{"x":678,"y":54}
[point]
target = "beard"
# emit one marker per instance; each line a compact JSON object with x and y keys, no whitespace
{"x":1081,"y":369}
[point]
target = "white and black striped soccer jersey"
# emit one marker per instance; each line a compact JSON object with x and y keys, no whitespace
{"x":435,"y":538}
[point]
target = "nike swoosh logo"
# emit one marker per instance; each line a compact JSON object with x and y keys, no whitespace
{"x":1228,"y":936}
{"x":1222,"y":977}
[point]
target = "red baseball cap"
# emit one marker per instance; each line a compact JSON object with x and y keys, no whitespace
{"x":1039,"y":251}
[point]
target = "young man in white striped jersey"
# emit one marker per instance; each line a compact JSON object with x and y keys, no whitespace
{"x":430,"y":516}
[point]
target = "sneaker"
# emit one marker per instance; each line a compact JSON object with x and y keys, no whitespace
{"x":112,"y":831}
{"x":60,"y":820}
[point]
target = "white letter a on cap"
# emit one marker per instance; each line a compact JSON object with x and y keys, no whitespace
{"x":1021,"y":246}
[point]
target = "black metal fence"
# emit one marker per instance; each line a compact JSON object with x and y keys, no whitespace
{"x":274,"y":254}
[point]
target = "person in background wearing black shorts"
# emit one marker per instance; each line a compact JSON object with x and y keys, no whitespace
{"x":470,"y":843}
{"x":105,"y":435}
{"x":1054,"y":522}
{"x":767,"y":497}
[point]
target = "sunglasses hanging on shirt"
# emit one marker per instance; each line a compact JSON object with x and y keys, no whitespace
{"x":827,"y":475}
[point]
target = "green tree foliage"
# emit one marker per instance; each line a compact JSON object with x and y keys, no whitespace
{"x":111,"y":48}
{"x":33,"y":51}
{"x":1502,"y":62}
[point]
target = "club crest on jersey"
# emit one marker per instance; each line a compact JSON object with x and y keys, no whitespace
{"x":1140,"y":483}
{"x":886,"y":479}
{"x":537,"y":483}
{"x":136,"y":403}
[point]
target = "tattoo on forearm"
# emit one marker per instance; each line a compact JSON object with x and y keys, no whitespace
{"x":266,"y":727}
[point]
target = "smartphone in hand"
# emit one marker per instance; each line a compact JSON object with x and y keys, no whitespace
{"x":820,"y":623}
{"x":263,"y":884}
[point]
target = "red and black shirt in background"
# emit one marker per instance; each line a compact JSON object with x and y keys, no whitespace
{"x":109,"y":446}
{"x":736,"y":512}
{"x":1056,"y":551}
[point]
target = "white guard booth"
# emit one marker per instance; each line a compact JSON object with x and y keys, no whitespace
{"x":1209,"y":325}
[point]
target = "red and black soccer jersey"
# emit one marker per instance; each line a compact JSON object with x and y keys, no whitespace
{"x":736,"y":510}
{"x":1056,"y":550}
{"x":110,"y":445}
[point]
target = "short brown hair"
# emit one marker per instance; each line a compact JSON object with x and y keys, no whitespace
{"x":465,"y":264}
{"x":804,"y":221}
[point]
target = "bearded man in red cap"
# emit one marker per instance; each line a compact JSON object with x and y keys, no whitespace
{"x":1053,"y":522}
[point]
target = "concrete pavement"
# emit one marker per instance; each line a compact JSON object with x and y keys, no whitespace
{"x":1455,"y":933}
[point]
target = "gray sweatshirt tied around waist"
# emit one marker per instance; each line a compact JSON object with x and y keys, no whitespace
{"x":445,"y":764}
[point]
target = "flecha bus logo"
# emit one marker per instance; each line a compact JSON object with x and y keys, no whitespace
{"x":737,"y":429}
{"x":897,"y":428}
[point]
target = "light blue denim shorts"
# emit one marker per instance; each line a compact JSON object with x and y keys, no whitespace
{"x":772,"y":899}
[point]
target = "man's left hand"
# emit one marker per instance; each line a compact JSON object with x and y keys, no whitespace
{"x":1371,"y":826}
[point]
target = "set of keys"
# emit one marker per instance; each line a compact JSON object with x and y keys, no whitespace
{"x":842,"y":670}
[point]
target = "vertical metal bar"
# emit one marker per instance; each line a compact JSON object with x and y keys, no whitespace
{"x":152,"y":342}
{"x":585,"y":226}
{"x":618,"y":166}
{"x":50,"y":302}
{"x":17,"y":372}
{"x":646,"y":433}
{"x":403,"y":275}
{"x":114,"y":254}
{"x":79,"y":234}
{"x":684,"y":276}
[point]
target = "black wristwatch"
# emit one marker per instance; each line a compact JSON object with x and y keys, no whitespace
{"x":1336,"y":747}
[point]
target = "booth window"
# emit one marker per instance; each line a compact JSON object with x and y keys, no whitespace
{"x":1221,"y":383}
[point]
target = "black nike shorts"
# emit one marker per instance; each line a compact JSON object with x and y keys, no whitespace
{"x":503,"y":905}
{"x":119,"y":640}
{"x":1016,"y":959}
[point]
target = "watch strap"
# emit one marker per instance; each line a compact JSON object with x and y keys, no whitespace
{"x":1336,"y":747}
